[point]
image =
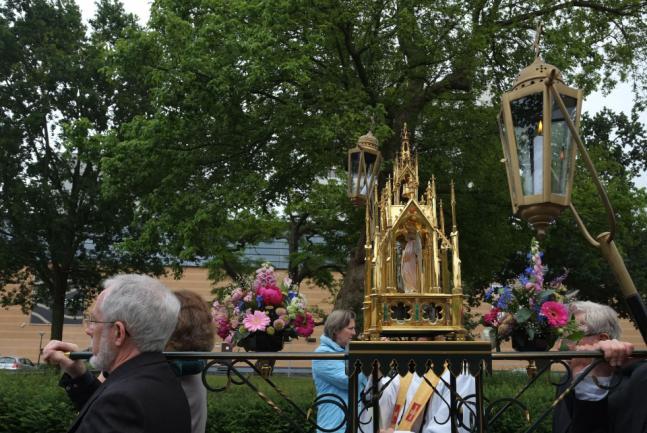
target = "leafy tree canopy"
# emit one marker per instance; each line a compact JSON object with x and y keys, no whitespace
{"x":57,"y":231}
{"x":252,"y":102}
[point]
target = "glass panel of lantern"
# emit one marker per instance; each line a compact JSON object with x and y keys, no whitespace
{"x":506,"y":154}
{"x":561,"y":142}
{"x":527,"y":113}
{"x":369,"y":163}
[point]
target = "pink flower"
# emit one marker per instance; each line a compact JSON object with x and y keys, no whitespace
{"x":271,"y":295}
{"x":236,"y":295}
{"x":555,"y":313}
{"x":248,"y":297}
{"x":256,"y":321}
{"x":491,"y":318}
{"x":304,"y":325}
{"x":218,"y":312}
{"x":264,"y":276}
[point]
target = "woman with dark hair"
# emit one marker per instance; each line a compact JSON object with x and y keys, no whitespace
{"x":194,"y":333}
{"x":330,"y":377}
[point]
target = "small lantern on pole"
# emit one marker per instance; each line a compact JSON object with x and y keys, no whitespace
{"x":539,"y":126}
{"x":538,"y":146}
{"x":364,"y":162}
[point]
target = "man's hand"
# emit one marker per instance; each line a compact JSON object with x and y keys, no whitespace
{"x":54,"y":354}
{"x":616,"y":354}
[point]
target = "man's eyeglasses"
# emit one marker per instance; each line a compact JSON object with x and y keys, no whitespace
{"x":90,"y":321}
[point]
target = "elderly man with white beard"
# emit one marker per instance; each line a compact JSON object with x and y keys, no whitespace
{"x":132,"y":320}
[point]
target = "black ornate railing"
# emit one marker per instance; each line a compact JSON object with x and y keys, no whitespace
{"x":375,"y":366}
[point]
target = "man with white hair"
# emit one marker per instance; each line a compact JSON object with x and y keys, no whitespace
{"x":132,"y":320}
{"x":609,"y":399}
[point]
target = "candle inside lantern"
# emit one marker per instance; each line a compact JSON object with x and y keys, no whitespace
{"x":538,"y":160}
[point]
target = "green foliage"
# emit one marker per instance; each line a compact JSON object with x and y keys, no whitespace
{"x":254,"y":102}
{"x":57,"y":231}
{"x":238,"y":410}
{"x":537,"y":399}
{"x":33,"y":402}
{"x":217,"y":126}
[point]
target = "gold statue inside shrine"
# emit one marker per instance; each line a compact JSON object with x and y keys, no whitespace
{"x":413,"y":278}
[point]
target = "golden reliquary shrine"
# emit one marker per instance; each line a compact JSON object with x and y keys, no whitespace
{"x":413,"y":269}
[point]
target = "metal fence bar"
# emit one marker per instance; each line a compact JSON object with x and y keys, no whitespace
{"x":374,"y":364}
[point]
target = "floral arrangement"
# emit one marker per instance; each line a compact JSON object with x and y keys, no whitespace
{"x":259,"y":305}
{"x":529,"y":308}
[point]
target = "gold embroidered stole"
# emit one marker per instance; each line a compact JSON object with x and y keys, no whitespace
{"x":400,"y":400}
{"x":420,"y":399}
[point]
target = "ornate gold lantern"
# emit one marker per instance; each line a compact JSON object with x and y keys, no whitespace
{"x":538,"y":146}
{"x":412,"y":276}
{"x":364,"y":162}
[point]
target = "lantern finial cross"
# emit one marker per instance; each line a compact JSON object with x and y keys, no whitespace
{"x":535,"y":44}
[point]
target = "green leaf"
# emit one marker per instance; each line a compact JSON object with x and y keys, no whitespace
{"x":546,"y":295}
{"x":575,"y":336}
{"x":522,"y":315}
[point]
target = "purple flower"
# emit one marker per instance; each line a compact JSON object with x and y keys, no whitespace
{"x":528,"y":271}
{"x":505,"y":298}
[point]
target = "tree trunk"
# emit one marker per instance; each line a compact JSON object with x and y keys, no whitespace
{"x":58,"y":310}
{"x":293,"y":248}
{"x":351,"y":294}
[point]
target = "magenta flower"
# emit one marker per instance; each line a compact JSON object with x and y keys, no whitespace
{"x":304,"y":325}
{"x":491,"y":318}
{"x":223,"y":327}
{"x":256,"y":321}
{"x":271,"y":295}
{"x":555,"y":313}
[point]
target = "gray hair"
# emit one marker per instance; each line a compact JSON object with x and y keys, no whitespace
{"x":598,"y":318}
{"x":336,"y":321}
{"x":147,"y":307}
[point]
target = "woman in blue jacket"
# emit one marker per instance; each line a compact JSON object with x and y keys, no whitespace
{"x":330,"y":376}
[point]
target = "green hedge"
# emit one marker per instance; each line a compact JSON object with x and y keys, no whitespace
{"x":32,"y":402}
{"x":536,"y":399}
